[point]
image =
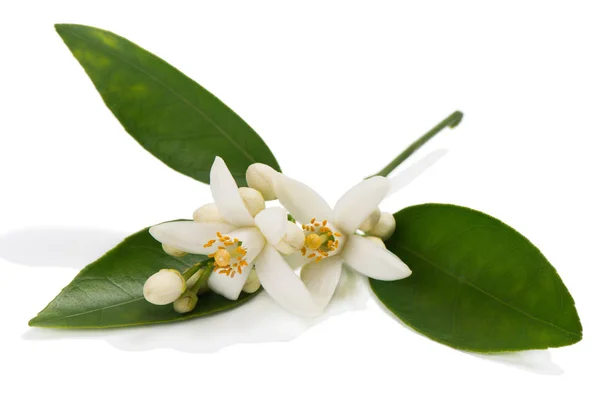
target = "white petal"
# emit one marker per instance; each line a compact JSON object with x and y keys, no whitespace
{"x":300,"y":200}
{"x":282,"y":284}
{"x":367,"y":258}
{"x":359,"y":202}
{"x":296,"y":260}
{"x":409,"y":174}
{"x":227,"y":197}
{"x":189,"y":236}
{"x":321,"y":278}
{"x":253,"y":241}
{"x":272,"y":222}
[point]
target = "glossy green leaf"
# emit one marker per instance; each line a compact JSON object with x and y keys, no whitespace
{"x":477,"y":284}
{"x":170,"y":115}
{"x":108,"y":292}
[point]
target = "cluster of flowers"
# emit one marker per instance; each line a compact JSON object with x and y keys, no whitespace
{"x":251,"y":245}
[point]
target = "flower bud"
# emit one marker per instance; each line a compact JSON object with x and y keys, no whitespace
{"x":208,"y":213}
{"x":252,"y":283}
{"x":260,"y":177}
{"x":164,"y":287}
{"x":186,"y":302}
{"x":173,"y":251}
{"x":377,"y":241}
{"x":253,"y":200}
{"x":292,"y":241}
{"x":370,"y":222}
{"x":385,"y":227}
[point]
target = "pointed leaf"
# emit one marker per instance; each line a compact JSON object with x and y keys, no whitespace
{"x":170,"y":115}
{"x":477,"y":284}
{"x":108,"y":292}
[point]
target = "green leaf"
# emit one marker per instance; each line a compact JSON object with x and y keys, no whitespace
{"x":477,"y":284}
{"x":170,"y":115}
{"x":108,"y":292}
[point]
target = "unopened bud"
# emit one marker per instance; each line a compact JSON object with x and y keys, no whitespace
{"x":208,"y":213}
{"x":370,"y":222}
{"x":377,"y":241}
{"x":260,"y":177}
{"x":186,"y":302}
{"x":173,"y":251}
{"x":253,"y":200}
{"x":385,"y":227}
{"x":292,"y":241}
{"x":252,"y":283}
{"x":164,"y":287}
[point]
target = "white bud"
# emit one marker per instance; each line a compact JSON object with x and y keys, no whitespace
{"x":377,"y":241}
{"x":253,"y":200}
{"x":372,"y":220}
{"x":173,"y":251}
{"x":208,"y":213}
{"x":385,"y":227}
{"x":164,"y":287}
{"x":252,"y":283}
{"x":260,"y":177}
{"x":186,"y":302}
{"x":292,"y":241}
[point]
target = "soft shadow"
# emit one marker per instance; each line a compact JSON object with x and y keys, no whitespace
{"x":63,"y":247}
{"x":259,"y":321}
{"x":536,"y":361}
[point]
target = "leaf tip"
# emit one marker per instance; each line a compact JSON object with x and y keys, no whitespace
{"x":33,"y":322}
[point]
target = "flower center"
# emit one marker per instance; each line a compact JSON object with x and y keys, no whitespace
{"x":222,"y":258}
{"x":321,"y":240}
{"x":229,"y":256}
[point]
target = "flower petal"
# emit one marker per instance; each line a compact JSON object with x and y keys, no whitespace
{"x":367,"y":258}
{"x":189,"y":236}
{"x":409,"y":174}
{"x":253,"y":241}
{"x":296,"y":260}
{"x":272,"y":223}
{"x":227,"y":197}
{"x":300,"y":200}
{"x":282,"y":283}
{"x":321,"y":278}
{"x":359,"y":202}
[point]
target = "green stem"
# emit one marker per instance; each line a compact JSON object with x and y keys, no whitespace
{"x":191,"y":271}
{"x":203,"y":280}
{"x":452,"y":121}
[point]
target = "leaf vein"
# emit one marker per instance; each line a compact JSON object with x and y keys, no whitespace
{"x":423,"y":258}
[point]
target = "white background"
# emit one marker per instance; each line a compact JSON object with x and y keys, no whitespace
{"x":366,"y":78}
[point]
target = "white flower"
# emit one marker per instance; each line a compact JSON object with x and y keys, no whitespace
{"x":240,"y":242}
{"x":331,"y":239}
